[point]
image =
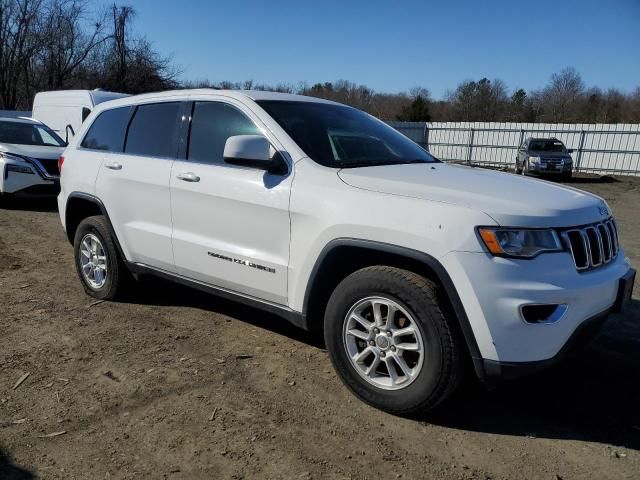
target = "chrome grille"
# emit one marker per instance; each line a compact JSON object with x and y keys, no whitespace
{"x":593,"y":245}
{"x":553,"y":161}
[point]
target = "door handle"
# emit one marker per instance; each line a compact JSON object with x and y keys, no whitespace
{"x":114,"y":166}
{"x":188,"y":177}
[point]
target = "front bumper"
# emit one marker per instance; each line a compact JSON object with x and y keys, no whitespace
{"x":545,"y":169}
{"x":493,"y":290}
{"x":586,"y":331}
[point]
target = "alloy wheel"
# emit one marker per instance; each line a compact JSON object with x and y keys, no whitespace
{"x":384,"y":343}
{"x":93,"y":261}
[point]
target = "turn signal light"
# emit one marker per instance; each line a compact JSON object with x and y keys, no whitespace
{"x":490,"y":240}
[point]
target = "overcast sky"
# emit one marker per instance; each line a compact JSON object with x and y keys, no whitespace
{"x":395,"y":45}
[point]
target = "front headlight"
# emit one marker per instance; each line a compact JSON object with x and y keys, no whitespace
{"x":22,"y":166}
{"x":520,"y":243}
{"x":10,"y":156}
{"x":534,"y":159}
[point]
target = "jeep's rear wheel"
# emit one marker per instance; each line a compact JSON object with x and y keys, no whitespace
{"x":97,"y":261}
{"x":392,"y":340}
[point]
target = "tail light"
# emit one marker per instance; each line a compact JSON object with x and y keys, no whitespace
{"x":60,"y":162}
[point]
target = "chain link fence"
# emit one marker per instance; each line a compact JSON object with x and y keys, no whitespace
{"x":598,"y":148}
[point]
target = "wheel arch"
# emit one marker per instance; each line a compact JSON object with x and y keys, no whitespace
{"x":343,"y":256}
{"x":81,"y":205}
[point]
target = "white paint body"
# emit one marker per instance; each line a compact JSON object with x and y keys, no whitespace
{"x":284,"y":223}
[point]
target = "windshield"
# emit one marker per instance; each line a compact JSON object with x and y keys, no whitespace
{"x":547,"y":146}
{"x":343,"y":137}
{"x":29,"y":134}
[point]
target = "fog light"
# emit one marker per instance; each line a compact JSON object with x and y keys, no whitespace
{"x":543,"y":313}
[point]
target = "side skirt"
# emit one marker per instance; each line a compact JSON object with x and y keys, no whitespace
{"x":296,"y":318}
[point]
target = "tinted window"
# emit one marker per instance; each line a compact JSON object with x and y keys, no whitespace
{"x":29,"y":134}
{"x":154,"y":130}
{"x":107,"y":131}
{"x":211,"y":125}
{"x":547,"y":146}
{"x":343,"y":137}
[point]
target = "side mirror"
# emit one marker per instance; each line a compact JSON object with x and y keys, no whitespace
{"x":570,"y":150}
{"x":249,"y":150}
{"x":66,"y":130}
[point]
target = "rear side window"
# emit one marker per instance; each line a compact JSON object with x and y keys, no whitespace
{"x":154,"y":130}
{"x":211,"y":125}
{"x":107,"y":131}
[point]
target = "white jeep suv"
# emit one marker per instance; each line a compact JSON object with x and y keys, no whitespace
{"x":321,"y":213}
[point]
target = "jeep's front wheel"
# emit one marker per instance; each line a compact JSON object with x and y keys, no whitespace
{"x":98,"y":264}
{"x":392,"y":340}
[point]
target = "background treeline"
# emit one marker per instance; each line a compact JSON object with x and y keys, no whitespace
{"x":64,"y":44}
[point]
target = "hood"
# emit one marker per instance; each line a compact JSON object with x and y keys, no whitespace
{"x":511,"y":200}
{"x":33,"y":151}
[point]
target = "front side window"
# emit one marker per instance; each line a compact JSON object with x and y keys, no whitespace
{"x":343,"y":137}
{"x":212,"y":123}
{"x":107,"y":131}
{"x":29,"y":134}
{"x":154,"y":130}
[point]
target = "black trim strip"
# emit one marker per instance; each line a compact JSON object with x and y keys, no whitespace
{"x":296,"y":318}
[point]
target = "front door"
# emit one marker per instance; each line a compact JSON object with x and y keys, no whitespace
{"x":231,"y":223}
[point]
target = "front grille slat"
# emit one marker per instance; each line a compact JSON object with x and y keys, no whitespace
{"x":593,"y":245}
{"x":50,"y":166}
{"x":606,"y":242}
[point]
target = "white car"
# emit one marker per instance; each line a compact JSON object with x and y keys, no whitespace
{"x":412,"y":268}
{"x":29,"y":153}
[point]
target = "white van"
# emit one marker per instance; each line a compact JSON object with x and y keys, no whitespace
{"x":65,"y":110}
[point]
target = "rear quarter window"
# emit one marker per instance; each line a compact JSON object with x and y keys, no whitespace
{"x":108,"y":130}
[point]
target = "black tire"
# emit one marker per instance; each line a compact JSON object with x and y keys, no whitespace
{"x":442,"y":367}
{"x":117,"y":275}
{"x":566,"y":176}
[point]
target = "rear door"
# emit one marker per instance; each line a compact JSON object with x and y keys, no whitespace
{"x":134,"y":184}
{"x":231,"y":223}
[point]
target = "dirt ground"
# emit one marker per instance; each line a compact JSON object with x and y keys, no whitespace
{"x":177,"y":384}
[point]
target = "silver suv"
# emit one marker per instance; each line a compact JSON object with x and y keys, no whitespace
{"x":544,"y":156}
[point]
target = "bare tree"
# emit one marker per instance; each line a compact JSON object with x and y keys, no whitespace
{"x":19,"y":41}
{"x":563,"y":94}
{"x":484,"y":100}
{"x":70,"y":41}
